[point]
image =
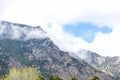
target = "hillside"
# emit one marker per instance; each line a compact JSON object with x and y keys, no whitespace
{"x":110,"y":65}
{"x":24,"y":46}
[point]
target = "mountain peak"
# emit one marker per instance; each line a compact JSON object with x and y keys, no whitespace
{"x":39,"y":51}
{"x":20,"y":31}
{"x":91,"y":57}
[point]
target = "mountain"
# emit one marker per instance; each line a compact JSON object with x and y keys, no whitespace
{"x":91,"y":57}
{"x":24,"y":46}
{"x":20,"y":31}
{"x":109,"y":65}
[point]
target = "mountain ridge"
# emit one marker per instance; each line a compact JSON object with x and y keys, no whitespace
{"x":106,"y":64}
{"x":20,"y":31}
{"x":42,"y":53}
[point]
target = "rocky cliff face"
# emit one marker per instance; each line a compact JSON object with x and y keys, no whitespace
{"x":110,"y":65}
{"x":24,"y":46}
{"x":91,"y":57}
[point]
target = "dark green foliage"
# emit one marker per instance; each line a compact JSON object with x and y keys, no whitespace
{"x":40,"y":78}
{"x":55,"y":78}
{"x":95,"y":78}
{"x":74,"y":78}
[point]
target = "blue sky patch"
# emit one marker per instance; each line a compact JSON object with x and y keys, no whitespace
{"x":85,"y":30}
{"x":105,"y":30}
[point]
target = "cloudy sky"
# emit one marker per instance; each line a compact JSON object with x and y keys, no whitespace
{"x":72,"y":24}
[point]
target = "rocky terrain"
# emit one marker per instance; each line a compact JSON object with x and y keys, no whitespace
{"x":109,"y":65}
{"x":24,"y":46}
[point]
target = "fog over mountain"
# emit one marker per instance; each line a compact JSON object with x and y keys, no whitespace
{"x":53,"y":15}
{"x":20,"y":31}
{"x":66,"y":38}
{"x":27,"y":50}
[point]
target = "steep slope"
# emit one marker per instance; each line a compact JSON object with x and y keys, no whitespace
{"x":91,"y":57}
{"x":110,"y":65}
{"x":24,"y":46}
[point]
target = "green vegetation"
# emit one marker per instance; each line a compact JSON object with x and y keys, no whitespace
{"x":95,"y":78}
{"x":31,"y":74}
{"x":55,"y":78}
{"x":74,"y":78}
{"x":23,"y":74}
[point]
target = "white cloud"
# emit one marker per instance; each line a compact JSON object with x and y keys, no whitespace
{"x":13,"y":31}
{"x":65,"y":41}
{"x":100,"y":12}
{"x":59,"y":12}
{"x":3,"y":5}
{"x":104,"y":44}
{"x":107,"y":44}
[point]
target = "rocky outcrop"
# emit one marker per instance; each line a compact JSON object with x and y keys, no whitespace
{"x":109,"y":65}
{"x":40,"y":52}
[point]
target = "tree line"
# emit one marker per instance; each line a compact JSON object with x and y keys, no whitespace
{"x":31,"y":74}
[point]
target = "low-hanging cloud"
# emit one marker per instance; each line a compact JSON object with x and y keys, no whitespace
{"x":57,"y":13}
{"x":103,"y":44}
{"x":19,"y":31}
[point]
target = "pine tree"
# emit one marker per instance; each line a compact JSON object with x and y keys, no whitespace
{"x":55,"y":78}
{"x":74,"y":78}
{"x":95,"y":78}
